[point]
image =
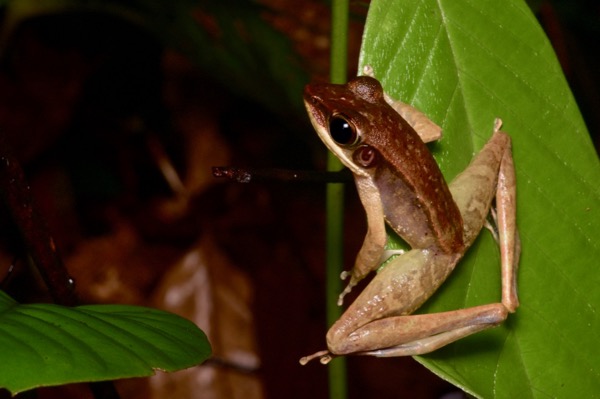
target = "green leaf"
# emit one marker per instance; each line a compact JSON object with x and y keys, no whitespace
{"x":45,"y":344}
{"x":465,"y":62}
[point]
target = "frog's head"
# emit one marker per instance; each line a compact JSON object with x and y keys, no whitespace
{"x":354,"y":121}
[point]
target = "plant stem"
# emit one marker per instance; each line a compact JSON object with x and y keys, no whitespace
{"x":338,"y":69}
{"x":335,"y":200}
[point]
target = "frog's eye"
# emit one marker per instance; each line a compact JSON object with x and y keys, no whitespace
{"x":342,"y":132}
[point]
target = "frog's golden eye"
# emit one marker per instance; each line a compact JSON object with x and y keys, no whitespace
{"x":342,"y":131}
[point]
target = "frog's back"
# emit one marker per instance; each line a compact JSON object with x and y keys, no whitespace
{"x":417,"y":202}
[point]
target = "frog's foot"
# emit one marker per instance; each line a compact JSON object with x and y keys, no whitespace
{"x":345,"y":274}
{"x":324,"y":357}
{"x":348,"y":289}
{"x":497,"y":124}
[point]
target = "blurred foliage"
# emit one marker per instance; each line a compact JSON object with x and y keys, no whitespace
{"x":230,"y":40}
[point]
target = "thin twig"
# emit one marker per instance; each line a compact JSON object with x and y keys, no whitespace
{"x":245,"y":175}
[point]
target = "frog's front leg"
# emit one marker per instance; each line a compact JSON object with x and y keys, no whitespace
{"x":372,"y":250}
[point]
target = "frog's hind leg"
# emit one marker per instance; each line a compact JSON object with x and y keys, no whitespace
{"x":419,"y":334}
{"x":492,"y":174}
{"x":506,"y":220}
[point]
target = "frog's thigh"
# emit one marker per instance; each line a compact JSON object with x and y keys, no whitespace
{"x":418,"y":334}
{"x":427,"y":130}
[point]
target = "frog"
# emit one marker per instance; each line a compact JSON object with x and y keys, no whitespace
{"x":383,"y":143}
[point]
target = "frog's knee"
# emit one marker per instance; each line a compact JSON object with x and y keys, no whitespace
{"x":338,"y":342}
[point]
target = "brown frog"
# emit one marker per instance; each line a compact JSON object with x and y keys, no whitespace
{"x":399,"y":183}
